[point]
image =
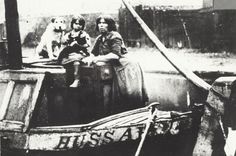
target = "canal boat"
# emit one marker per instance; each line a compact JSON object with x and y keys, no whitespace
{"x":40,"y":115}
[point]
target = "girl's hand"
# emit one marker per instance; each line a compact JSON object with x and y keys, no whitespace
{"x":88,"y":60}
{"x":75,"y":56}
{"x":73,"y":43}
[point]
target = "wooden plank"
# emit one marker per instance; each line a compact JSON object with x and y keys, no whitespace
{"x":7,"y":125}
{"x":24,"y":96}
{"x":6,"y":99}
{"x":35,"y":97}
{"x":9,"y":75}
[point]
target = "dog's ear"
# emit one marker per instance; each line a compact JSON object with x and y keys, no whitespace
{"x":53,"y":19}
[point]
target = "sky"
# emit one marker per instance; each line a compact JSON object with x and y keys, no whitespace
{"x":66,"y":7}
{"x":39,"y":7}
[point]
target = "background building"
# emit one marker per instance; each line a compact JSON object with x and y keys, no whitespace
{"x":205,"y":25}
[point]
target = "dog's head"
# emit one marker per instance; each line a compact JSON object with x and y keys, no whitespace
{"x":58,"y":24}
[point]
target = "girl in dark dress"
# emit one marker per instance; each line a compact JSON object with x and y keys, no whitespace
{"x":77,"y":43}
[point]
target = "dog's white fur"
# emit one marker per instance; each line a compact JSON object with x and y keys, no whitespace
{"x":53,"y":34}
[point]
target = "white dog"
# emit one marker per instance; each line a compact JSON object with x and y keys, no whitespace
{"x":51,"y":40}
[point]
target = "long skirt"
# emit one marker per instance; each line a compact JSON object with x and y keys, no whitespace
{"x":129,"y":90}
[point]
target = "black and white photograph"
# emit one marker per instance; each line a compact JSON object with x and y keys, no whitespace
{"x":117,"y":78}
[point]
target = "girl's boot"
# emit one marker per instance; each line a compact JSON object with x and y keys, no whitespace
{"x":76,"y":82}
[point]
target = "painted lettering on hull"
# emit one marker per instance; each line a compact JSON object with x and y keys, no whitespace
{"x":92,"y":138}
{"x":98,"y":138}
{"x":77,"y":140}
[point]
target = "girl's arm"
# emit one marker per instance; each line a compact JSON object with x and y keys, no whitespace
{"x":100,"y":58}
{"x":105,"y":58}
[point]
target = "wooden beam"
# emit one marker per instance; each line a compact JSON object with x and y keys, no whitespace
{"x":13,"y":34}
{"x":6,"y":99}
{"x":1,"y":145}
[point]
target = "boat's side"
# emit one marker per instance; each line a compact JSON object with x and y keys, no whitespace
{"x":122,"y":127}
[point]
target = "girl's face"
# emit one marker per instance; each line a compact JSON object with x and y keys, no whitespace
{"x":77,"y":26}
{"x":102,"y":26}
